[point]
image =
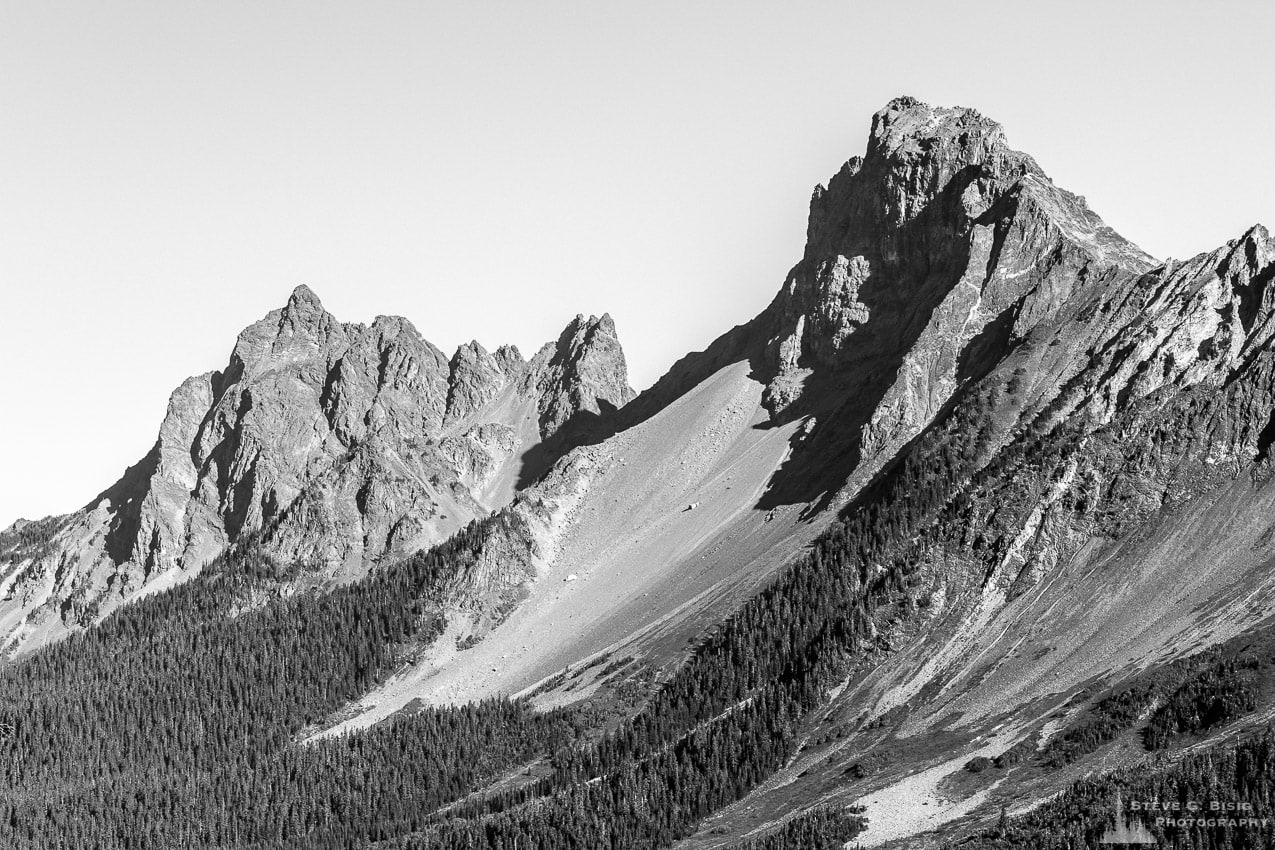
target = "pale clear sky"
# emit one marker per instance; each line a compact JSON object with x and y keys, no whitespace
{"x":170,"y":170}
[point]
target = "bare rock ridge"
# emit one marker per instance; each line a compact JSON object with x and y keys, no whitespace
{"x":939,"y":212}
{"x":927,"y":260}
{"x":339,"y":443}
{"x":582,"y":372}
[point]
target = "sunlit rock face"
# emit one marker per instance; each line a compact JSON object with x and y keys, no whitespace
{"x":338,"y":444}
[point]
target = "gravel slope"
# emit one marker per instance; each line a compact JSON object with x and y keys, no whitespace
{"x":629,"y":566}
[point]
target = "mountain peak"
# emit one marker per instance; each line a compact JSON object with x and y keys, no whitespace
{"x":907,"y":119}
{"x":583,"y":372}
{"x":946,"y":140}
{"x":305,"y":316}
{"x":581,"y":321}
{"x":469,"y":351}
{"x":918,"y":246}
{"x":303,"y":299}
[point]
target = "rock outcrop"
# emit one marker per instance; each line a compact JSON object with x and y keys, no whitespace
{"x":338,"y":444}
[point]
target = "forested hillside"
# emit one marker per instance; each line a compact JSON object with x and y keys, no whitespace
{"x":175,"y":720}
{"x":1218,"y":798}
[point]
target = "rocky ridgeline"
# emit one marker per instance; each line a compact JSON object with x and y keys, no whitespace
{"x":942,"y":261}
{"x":941,"y":252}
{"x":926,"y":261}
{"x":339,"y":444}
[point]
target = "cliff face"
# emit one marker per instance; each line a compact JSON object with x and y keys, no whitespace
{"x":339,"y":444}
{"x":926,"y":261}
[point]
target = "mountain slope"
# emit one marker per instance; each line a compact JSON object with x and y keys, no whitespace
{"x":339,"y":444}
{"x":1114,"y":517}
{"x":927,"y":262}
{"x":978,"y":506}
{"x":1092,"y":397}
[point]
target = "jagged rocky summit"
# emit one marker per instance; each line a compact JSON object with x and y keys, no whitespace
{"x":339,"y":444}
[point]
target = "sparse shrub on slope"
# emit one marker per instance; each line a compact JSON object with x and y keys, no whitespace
{"x":824,"y":828}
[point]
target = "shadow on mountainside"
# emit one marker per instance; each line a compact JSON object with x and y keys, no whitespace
{"x":583,"y":428}
{"x":586,"y":428}
{"x":124,"y":498}
{"x":923,"y":261}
